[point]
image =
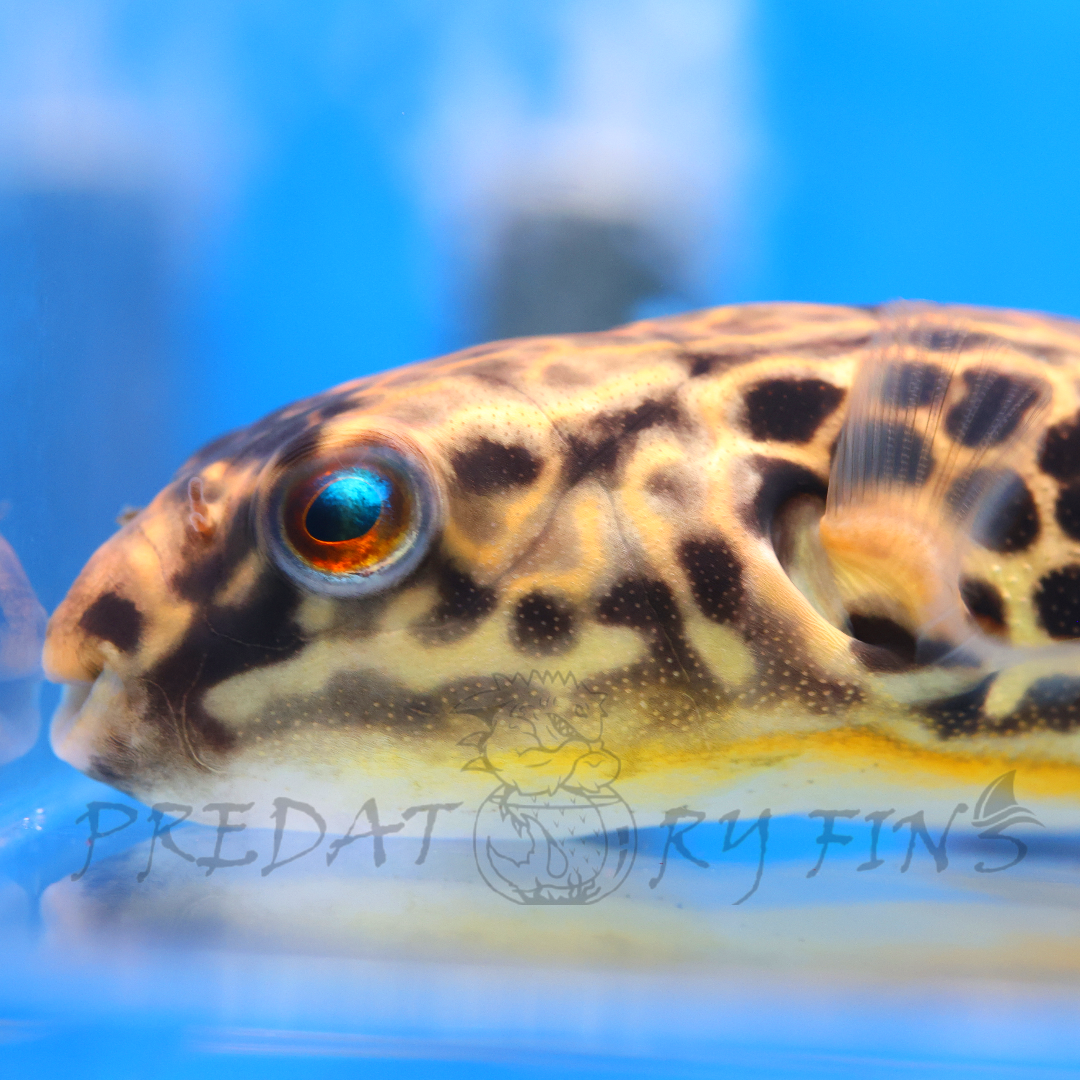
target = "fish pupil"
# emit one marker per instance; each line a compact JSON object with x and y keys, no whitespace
{"x":347,"y":508}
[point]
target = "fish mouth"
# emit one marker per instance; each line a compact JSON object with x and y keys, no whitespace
{"x":81,"y":723}
{"x":73,"y":697}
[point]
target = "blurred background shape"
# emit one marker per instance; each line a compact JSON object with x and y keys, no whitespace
{"x":87,"y":382}
{"x":87,"y":371}
{"x":584,"y":165}
{"x":209,"y":210}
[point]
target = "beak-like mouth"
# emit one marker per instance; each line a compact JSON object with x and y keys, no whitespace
{"x":72,"y":698}
{"x":85,"y":721}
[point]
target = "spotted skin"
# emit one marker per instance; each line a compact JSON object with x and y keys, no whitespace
{"x":610,"y":502}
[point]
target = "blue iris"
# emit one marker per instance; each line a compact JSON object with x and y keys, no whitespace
{"x":348,"y":506}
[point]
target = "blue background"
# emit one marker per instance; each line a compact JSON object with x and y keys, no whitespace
{"x":919,"y":150}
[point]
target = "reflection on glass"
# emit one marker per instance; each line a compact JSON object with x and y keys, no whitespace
{"x":21,"y":633}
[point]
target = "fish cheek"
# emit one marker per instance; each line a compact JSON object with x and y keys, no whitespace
{"x":485,"y":534}
{"x":222,"y":642}
{"x":462,"y":604}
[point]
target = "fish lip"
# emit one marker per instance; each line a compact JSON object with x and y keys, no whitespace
{"x":73,"y":697}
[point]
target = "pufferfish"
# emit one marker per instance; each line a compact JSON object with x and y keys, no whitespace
{"x":759,"y":534}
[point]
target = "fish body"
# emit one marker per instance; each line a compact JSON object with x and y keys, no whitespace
{"x":593,"y":564}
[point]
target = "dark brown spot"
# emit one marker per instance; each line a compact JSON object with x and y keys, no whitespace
{"x":985,"y":604}
{"x":780,"y":480}
{"x":715,"y":577}
{"x":969,"y":490}
{"x":343,"y":404}
{"x":584,"y":458}
{"x":649,"y":605}
{"x":961,"y":714}
{"x":261,"y":440}
{"x":913,"y":385}
{"x":493,"y":369}
{"x":208,"y":566}
{"x":630,"y":603}
{"x":1060,"y":456}
{"x":1049,"y":353}
{"x":668,"y":483}
{"x":221,"y":642}
{"x":463,"y":604}
{"x":1006,"y":518}
{"x":700,"y":364}
{"x":489,"y":467}
{"x":1049,"y":704}
{"x":790,"y":410}
{"x":596,"y":449}
{"x":992,"y":408}
{"x":1057,"y":600}
{"x":1014,"y":526}
{"x":1067,"y":510}
{"x":543,"y":625}
{"x":953,"y":340}
{"x":367,"y":700}
{"x":893,"y":453}
{"x":114,"y":618}
{"x":231,"y":639}
{"x":881,"y":644}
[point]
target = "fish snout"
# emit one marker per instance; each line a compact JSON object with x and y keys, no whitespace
{"x":73,"y":652}
{"x":98,"y":627}
{"x":90,"y":647}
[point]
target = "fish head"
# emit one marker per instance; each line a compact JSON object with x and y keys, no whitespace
{"x":323,"y":589}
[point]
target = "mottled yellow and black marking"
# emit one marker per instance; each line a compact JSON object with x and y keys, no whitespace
{"x":616,"y":505}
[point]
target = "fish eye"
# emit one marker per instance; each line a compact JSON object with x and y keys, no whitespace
{"x":351,"y":522}
{"x":347,"y":507}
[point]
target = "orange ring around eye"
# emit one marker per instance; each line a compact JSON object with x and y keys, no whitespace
{"x":357,"y":554}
